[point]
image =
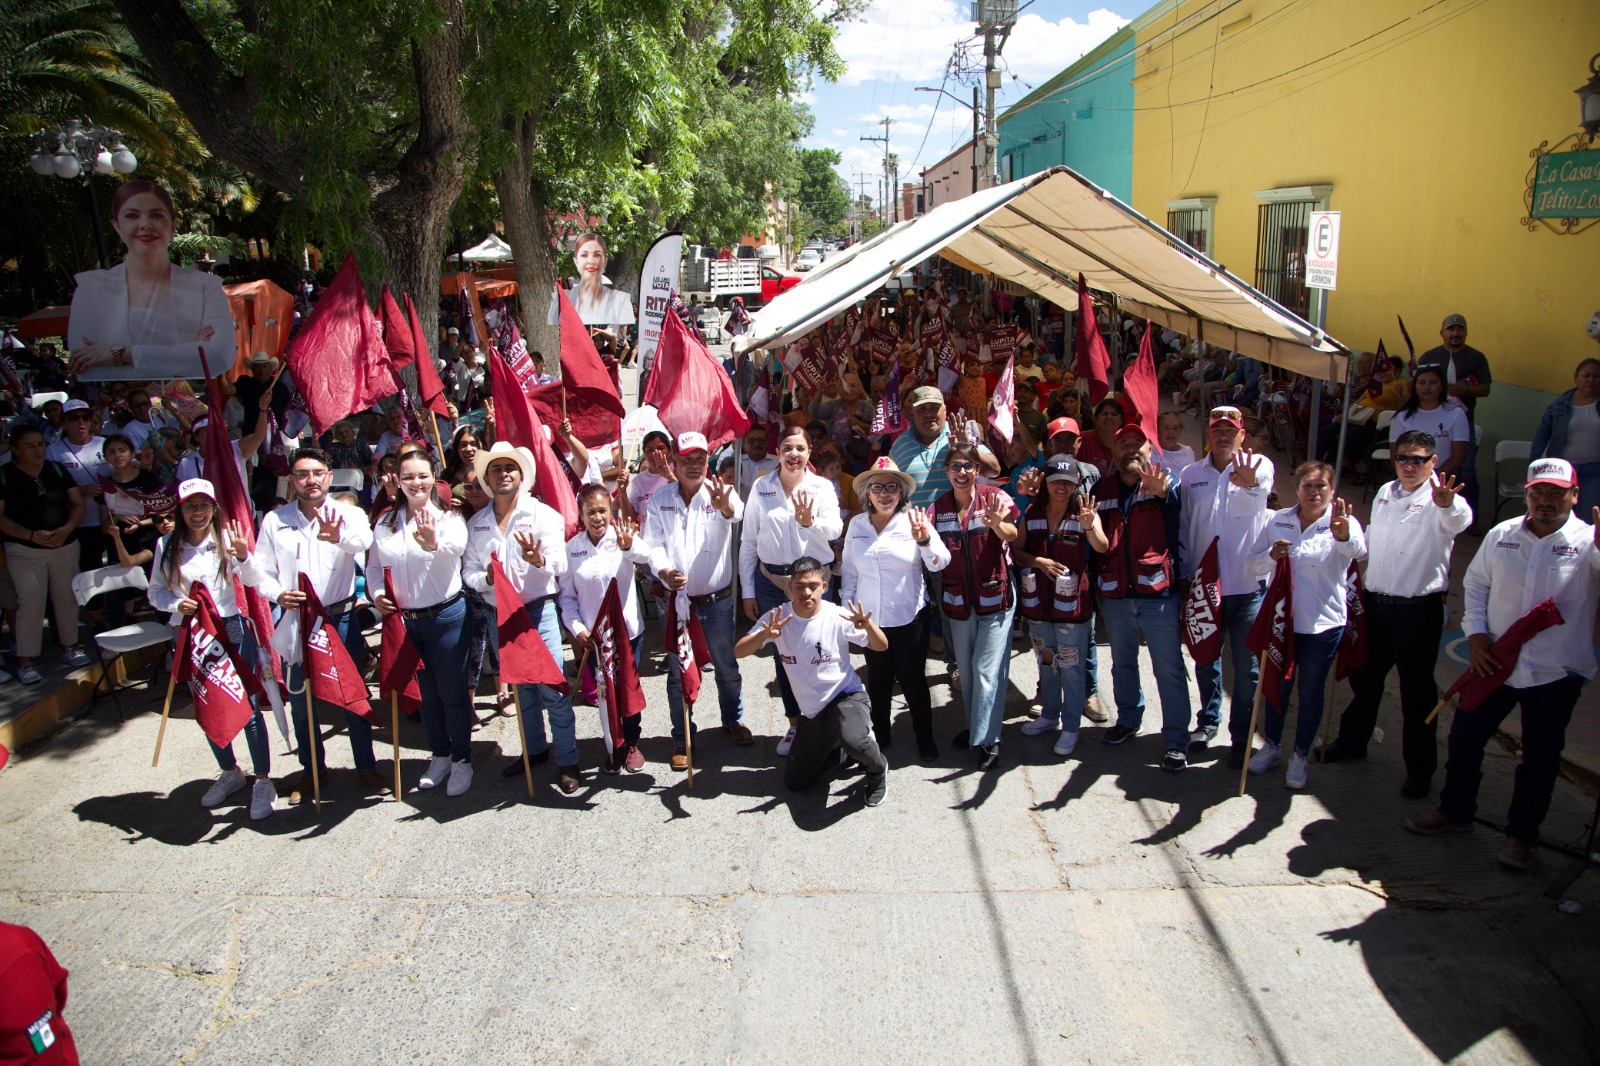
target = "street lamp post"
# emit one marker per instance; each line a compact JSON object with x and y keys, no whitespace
{"x":82,"y":149}
{"x":976,"y":113}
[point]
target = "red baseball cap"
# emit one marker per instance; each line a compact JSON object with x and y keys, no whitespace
{"x":1131,"y":427}
{"x":1064,"y":425}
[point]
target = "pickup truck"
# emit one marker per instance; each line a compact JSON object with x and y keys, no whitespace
{"x":719,"y":280}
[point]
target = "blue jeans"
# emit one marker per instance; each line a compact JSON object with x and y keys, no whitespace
{"x":359,"y":728}
{"x":768,"y":596}
{"x":1588,"y":489}
{"x":1313,"y":658}
{"x":982,"y":646}
{"x":255,"y":730}
{"x":1066,"y":646}
{"x":716,"y":621}
{"x":1238,"y":614}
{"x":444,"y":642}
{"x":535,"y":700}
{"x":1155,"y":618}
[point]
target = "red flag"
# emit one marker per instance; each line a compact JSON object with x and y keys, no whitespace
{"x":330,"y":672}
{"x":397,"y":338}
{"x":1003,"y":404}
{"x":581,"y":366}
{"x":234,"y":501}
{"x":338,"y":358}
{"x":691,"y":391}
{"x":1272,"y":635}
{"x":1473,"y":687}
{"x":1139,"y":385}
{"x":517,"y":423}
{"x":690,"y":642}
{"x":1353,"y":645}
{"x":616,"y":676}
{"x":429,"y":387}
{"x":592,"y":421}
{"x":1374,"y":384}
{"x":398,"y":660}
{"x":219,"y":680}
{"x":1202,"y":611}
{"x":1093,"y":362}
{"x":524,"y":657}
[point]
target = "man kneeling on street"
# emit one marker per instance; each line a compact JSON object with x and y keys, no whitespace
{"x":813,"y":639}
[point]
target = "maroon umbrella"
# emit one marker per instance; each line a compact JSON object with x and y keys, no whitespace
{"x":1474,"y":687}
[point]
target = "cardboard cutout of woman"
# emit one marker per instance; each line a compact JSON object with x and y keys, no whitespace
{"x":598,"y":304}
{"x":145,"y":318}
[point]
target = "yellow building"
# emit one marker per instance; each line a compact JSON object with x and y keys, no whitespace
{"x":1413,"y":118}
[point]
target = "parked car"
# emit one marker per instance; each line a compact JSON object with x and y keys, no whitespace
{"x":809,"y":259}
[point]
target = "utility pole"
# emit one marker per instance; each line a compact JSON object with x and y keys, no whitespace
{"x":884,"y":140}
{"x":995,"y":19}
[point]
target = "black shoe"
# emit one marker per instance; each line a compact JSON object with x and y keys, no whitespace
{"x":1237,"y":753}
{"x":1416,"y":787}
{"x":514,"y":767}
{"x":988,"y":756}
{"x":927,"y":750}
{"x":1175,"y":761}
{"x":1119,"y":734}
{"x":963,"y":740}
{"x":874,"y":788}
{"x":1334,"y":753}
{"x":1202,"y":737}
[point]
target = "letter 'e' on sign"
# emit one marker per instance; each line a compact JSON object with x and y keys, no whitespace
{"x":1322,"y":250}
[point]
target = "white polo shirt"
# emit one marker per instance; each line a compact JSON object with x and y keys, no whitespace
{"x":771,"y":534}
{"x":486,"y":538}
{"x":692,"y":537}
{"x":1515,"y":570}
{"x":591,"y":568}
{"x":1317,"y":562}
{"x":1213,"y":506}
{"x":1409,"y":540}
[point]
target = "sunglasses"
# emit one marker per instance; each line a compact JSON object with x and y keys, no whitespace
{"x":1413,"y":460}
{"x":1226,"y":412}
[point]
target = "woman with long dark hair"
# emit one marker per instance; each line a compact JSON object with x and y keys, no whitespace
{"x":200,"y":550}
{"x":1430,"y":409}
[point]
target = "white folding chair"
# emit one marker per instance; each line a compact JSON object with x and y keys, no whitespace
{"x":348,"y":480}
{"x":1509,"y":479}
{"x":124,"y":639}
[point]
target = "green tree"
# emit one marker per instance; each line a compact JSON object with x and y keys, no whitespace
{"x":822,"y":193}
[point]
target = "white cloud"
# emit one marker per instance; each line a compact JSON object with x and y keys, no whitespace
{"x":1040,"y":49}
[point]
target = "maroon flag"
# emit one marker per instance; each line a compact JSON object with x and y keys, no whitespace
{"x":1411,"y":348}
{"x":690,"y":644}
{"x":429,"y":387}
{"x":1272,"y":635}
{"x":330,"y":672}
{"x":219,"y":680}
{"x":160,"y":501}
{"x":617,"y":679}
{"x":397,"y":338}
{"x":1202,"y":610}
{"x":1474,"y":688}
{"x":691,"y":391}
{"x":581,"y":366}
{"x":517,"y":423}
{"x":1139,"y":385}
{"x":338,"y":358}
{"x":1093,"y":362}
{"x":398,"y":661}
{"x":1003,"y":404}
{"x":1353,"y":645}
{"x":1374,"y":383}
{"x":880,"y":346}
{"x":889,"y":416}
{"x":525,"y":659}
{"x":1002,"y":343}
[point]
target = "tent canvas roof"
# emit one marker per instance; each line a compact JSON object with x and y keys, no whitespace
{"x":1042,"y":232}
{"x":491,"y":250}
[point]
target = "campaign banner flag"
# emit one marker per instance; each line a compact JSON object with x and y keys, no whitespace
{"x":1353,"y":645}
{"x":338,"y":358}
{"x":331,"y":674}
{"x":1202,"y":610}
{"x":1272,"y":636}
{"x":1093,"y":361}
{"x":1473,"y":687}
{"x":691,"y":390}
{"x":398,"y":659}
{"x":221,"y":683}
{"x":616,"y":677}
{"x":1140,"y":387}
{"x":689,"y":642}
{"x":658,"y":281}
{"x":889,"y":415}
{"x":161,"y":501}
{"x":525,"y":659}
{"x":1003,"y":404}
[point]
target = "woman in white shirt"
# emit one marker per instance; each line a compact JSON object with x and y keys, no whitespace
{"x":199,"y":549}
{"x":603,"y":551}
{"x":1429,"y":409}
{"x":422,"y":545}
{"x":791,"y":513}
{"x":885,"y":550}
{"x":1320,"y":543}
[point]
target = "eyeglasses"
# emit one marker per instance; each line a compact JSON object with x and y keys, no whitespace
{"x":884,"y":488}
{"x":962,"y":468}
{"x":309,"y":475}
{"x":1413,"y":460}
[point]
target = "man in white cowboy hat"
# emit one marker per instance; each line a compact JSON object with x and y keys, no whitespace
{"x":263,"y":369}
{"x":687,"y":527}
{"x":529,"y":539}
{"x":314,"y":536}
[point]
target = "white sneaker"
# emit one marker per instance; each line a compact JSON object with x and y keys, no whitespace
{"x":75,"y":656}
{"x":460,"y":778}
{"x":787,"y":742}
{"x":1265,"y":759}
{"x":262,"y":797}
{"x":1040,"y":725}
{"x":1066,"y":744}
{"x":230,"y":782}
{"x":438,"y":770}
{"x":1295,"y":776}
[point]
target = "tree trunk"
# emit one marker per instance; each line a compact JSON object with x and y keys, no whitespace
{"x":522,"y":208}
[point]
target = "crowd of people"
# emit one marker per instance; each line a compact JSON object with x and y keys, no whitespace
{"x":874,"y":506}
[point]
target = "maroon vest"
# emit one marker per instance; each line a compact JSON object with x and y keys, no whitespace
{"x":977,"y":581}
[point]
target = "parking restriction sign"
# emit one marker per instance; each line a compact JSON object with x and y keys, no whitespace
{"x":1322,"y":250}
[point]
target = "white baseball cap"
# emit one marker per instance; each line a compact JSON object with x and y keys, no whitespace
{"x":1552,"y":472}
{"x":691,"y":441}
{"x":74,"y":405}
{"x":196,"y":486}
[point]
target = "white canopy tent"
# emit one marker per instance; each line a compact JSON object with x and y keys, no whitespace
{"x":1042,"y":232}
{"x":491,"y":250}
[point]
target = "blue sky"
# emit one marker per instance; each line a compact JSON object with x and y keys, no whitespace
{"x":900,"y":45}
